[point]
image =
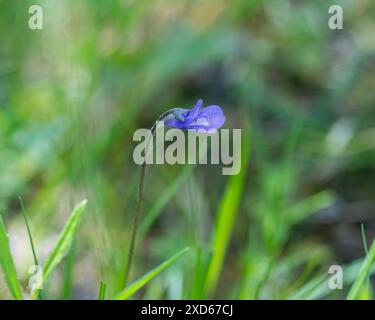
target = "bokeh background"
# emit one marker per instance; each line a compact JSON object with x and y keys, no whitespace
{"x":72,"y":95}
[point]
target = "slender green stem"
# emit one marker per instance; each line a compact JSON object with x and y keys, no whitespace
{"x":138,"y":208}
{"x":137,"y":219}
{"x":29,"y":232}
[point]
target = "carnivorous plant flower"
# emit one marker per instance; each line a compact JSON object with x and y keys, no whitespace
{"x":207,"y":119}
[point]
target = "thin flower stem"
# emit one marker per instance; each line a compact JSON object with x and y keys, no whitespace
{"x":137,"y":219}
{"x":138,"y":208}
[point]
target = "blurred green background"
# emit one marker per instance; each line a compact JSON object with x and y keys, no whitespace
{"x":72,"y":94}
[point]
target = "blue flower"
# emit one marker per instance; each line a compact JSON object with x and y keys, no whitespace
{"x":207,"y":119}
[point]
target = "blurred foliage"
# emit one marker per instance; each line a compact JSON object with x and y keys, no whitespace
{"x":72,"y":94}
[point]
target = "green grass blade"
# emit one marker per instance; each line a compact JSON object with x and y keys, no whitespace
{"x":102,"y":290}
{"x":66,"y":289}
{"x":317,"y":288}
{"x":135,"y":286}
{"x":197,"y":278}
{"x":29,"y":232}
{"x":7,"y":264}
{"x":225,"y":220}
{"x":363,"y":273}
{"x":366,"y":291}
{"x":312,"y":289}
{"x":312,"y":204}
{"x":65,"y":240}
{"x":364,"y":241}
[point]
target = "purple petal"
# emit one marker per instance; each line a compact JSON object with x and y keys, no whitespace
{"x":208,"y":119}
{"x":211,"y":117}
{"x":193,"y":113}
{"x":174,"y":123}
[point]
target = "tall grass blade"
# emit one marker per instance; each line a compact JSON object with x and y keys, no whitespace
{"x":135,"y":286}
{"x":363,"y":273}
{"x":29,"y":232}
{"x":365,"y":292}
{"x":197,"y":278}
{"x":225,"y":219}
{"x":65,"y":240}
{"x":317,"y":288}
{"x":66,"y":289}
{"x":63,"y":243}
{"x":312,"y":204}
{"x":364,"y":241}
{"x":7,"y":264}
